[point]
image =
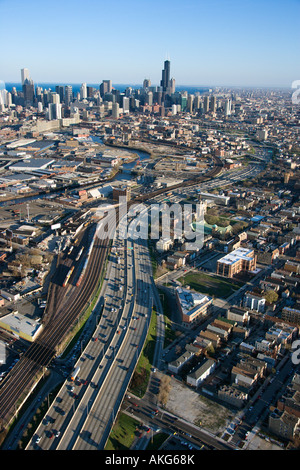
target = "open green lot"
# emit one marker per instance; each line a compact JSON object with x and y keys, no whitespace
{"x":123,"y":433}
{"x":140,"y":379}
{"x":210,"y":285}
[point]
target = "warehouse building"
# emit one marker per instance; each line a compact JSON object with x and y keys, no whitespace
{"x":32,"y":164}
{"x":21,"y":326}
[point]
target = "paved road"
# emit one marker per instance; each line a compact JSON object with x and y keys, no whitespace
{"x":84,"y":414}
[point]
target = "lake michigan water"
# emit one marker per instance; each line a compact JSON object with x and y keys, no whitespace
{"x":121,"y":87}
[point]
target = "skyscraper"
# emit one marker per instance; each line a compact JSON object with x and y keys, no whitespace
{"x":165,"y":75}
{"x":172,"y":86}
{"x":24,"y":75}
{"x":213,"y":104}
{"x":68,"y":94}
{"x":83,"y":91}
{"x":126,"y":104}
{"x":206,"y":104}
{"x":105,"y":87}
{"x":60,"y":91}
{"x":147,"y":83}
{"x":115,"y":110}
{"x":54,"y":97}
{"x":27,"y":87}
{"x":54,"y":111}
{"x":227,"y":107}
{"x":190,"y":103}
{"x":28,"y":91}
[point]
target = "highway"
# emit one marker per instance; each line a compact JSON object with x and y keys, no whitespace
{"x":83,"y":414}
{"x":86,"y":410}
{"x":114,"y":356}
{"x":61,"y":318}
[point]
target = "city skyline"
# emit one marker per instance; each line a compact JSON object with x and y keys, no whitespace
{"x":208,"y":43}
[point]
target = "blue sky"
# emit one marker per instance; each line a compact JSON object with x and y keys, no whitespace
{"x":212,"y":42}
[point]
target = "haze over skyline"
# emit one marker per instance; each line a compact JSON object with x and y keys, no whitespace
{"x":209,"y":43}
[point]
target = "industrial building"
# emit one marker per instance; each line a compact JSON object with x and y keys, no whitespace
{"x":21,"y":326}
{"x":32,"y":164}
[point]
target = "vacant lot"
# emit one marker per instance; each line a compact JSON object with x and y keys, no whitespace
{"x":198,"y":410}
{"x":211,"y":285}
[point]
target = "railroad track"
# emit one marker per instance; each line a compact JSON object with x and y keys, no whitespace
{"x":39,"y":355}
{"x":218,"y":165}
{"x":42,"y":351}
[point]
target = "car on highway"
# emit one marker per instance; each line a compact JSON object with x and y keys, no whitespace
{"x":60,"y":411}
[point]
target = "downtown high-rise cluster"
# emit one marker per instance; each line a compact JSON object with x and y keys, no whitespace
{"x":55,"y":103}
{"x":67,"y":101}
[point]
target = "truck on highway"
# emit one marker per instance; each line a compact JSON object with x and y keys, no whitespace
{"x":75,"y":373}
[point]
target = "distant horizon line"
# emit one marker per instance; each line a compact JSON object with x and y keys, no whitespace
{"x":153,"y":85}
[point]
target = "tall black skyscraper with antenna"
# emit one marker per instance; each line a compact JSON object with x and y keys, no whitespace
{"x":165,"y":81}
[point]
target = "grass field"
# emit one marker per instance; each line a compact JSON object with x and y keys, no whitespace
{"x":123,"y":433}
{"x":139,"y":382}
{"x":210,"y":285}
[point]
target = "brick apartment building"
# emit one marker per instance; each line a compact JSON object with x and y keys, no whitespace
{"x":238,"y":260}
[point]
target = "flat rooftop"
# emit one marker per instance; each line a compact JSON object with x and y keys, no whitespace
{"x":236,"y":255}
{"x":21,"y":325}
{"x":190,"y":301}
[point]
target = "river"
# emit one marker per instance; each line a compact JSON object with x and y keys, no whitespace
{"x":119,"y":176}
{"x":126,"y":166}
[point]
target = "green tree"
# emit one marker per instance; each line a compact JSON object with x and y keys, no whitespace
{"x":271,"y":296}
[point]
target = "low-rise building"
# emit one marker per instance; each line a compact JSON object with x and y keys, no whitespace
{"x":254,"y":301}
{"x":284,"y":424}
{"x":176,"y":365}
{"x":164,"y":244}
{"x":210,"y":336}
{"x":291,"y":315}
{"x":242,"y":259}
{"x":233,"y":395}
{"x":192,"y":305}
{"x":21,"y":326}
{"x":281,"y":333}
{"x":247,"y":371}
{"x":240,"y":315}
{"x":200,"y":372}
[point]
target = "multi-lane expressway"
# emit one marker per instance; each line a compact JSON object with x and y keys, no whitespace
{"x":84,"y":418}
{"x":83,"y":413}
